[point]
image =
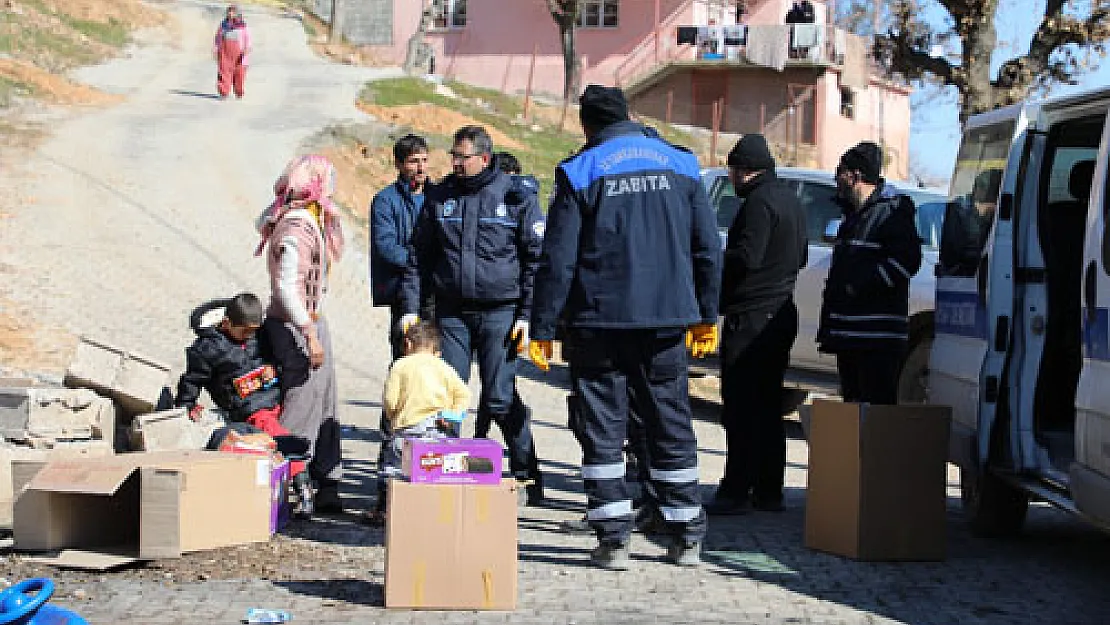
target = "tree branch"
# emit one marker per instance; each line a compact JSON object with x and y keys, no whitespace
{"x":1056,"y":30}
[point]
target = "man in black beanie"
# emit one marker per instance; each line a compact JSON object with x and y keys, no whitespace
{"x":631,"y":267}
{"x":766,"y":249}
{"x":865,"y":309}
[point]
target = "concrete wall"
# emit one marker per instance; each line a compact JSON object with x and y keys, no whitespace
{"x":882,"y":115}
{"x":495,"y":47}
{"x":363,"y":22}
{"x":757,"y":100}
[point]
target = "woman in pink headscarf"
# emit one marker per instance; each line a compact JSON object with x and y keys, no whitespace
{"x":301,"y":236}
{"x":232,"y":49}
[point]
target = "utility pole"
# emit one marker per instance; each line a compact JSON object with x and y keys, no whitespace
{"x":334,"y":33}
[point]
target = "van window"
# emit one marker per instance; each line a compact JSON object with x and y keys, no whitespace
{"x":976,"y":182}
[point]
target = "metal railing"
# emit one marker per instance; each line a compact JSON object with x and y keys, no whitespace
{"x":790,"y":44}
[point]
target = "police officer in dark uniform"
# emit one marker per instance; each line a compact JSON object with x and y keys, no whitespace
{"x":631,"y":261}
{"x":476,"y":246}
{"x":865,"y":310}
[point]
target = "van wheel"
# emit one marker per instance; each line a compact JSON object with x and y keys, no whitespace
{"x":913,"y":382}
{"x":992,"y":506}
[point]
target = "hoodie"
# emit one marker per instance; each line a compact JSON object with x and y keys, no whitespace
{"x":224,"y":367}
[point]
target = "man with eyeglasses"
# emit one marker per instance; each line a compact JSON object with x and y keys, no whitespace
{"x":476,"y":247}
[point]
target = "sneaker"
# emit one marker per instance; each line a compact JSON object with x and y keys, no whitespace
{"x":302,"y":490}
{"x":576,"y":526}
{"x":684,"y":553}
{"x":722,"y":505}
{"x":327,"y":500}
{"x":611,"y":555}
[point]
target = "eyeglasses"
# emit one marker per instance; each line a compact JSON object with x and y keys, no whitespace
{"x":458,"y":156}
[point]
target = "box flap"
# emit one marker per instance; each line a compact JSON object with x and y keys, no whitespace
{"x":91,"y":476}
{"x":104,"y":560}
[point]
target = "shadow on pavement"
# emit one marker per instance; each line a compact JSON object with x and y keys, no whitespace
{"x":982,"y":581}
{"x":195,"y":94}
{"x":356,"y":591}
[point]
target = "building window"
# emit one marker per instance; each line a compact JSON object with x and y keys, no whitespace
{"x":598,"y":14}
{"x":448,"y":13}
{"x":847,"y":103}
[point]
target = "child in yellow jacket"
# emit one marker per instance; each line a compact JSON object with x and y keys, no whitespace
{"x":423,"y":397}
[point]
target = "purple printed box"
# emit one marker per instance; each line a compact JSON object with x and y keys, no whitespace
{"x":280,"y":508}
{"x":451,"y":461}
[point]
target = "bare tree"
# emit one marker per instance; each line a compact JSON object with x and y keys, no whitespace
{"x":565,"y":13}
{"x":1068,"y":41}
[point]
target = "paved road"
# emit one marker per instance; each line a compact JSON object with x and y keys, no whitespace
{"x":129,"y":216}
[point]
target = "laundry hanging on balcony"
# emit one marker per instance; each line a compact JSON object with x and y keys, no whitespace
{"x":767,"y":46}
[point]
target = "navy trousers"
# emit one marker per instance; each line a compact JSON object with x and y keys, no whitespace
{"x":611,"y":369}
{"x":484,"y":332}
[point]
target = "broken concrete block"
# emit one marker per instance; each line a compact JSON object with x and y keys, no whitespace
{"x":54,"y":414}
{"x":134,"y":381}
{"x":171,"y":430}
{"x":19,"y":464}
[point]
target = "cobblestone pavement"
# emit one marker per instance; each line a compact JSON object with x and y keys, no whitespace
{"x":143,"y":210}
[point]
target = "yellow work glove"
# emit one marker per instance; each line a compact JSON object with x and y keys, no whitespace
{"x":702,"y":339}
{"x":539,"y":352}
{"x":407,"y":321}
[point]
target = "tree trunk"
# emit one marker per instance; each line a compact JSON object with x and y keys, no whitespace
{"x":979,"y":40}
{"x":571,"y":66}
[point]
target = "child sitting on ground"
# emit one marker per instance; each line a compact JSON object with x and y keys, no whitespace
{"x":423,"y":397}
{"x":232,"y":362}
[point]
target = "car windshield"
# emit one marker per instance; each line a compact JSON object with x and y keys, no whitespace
{"x":930,"y":207}
{"x":930,"y":215}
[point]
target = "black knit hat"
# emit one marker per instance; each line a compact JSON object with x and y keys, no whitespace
{"x":602,"y":106}
{"x":751,"y":153}
{"x":866,"y":158}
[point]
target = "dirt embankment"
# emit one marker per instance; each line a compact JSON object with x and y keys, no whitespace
{"x":42,"y":39}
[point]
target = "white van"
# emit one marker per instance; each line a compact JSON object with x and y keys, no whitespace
{"x":1022,"y":345}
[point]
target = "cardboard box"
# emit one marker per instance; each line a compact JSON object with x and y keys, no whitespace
{"x":451,"y":461}
{"x":877,"y":481}
{"x":55,"y":414}
{"x":146,"y":505}
{"x":134,"y":381}
{"x":451,"y":546}
{"x":12,"y":455}
{"x":280,"y":508}
{"x":172,"y":430}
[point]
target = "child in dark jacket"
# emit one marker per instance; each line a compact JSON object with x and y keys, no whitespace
{"x":233,"y":363}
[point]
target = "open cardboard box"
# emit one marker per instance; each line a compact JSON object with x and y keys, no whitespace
{"x":104,"y":512}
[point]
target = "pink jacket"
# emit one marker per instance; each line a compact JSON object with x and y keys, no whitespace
{"x":298,"y":269}
{"x":237,"y":36}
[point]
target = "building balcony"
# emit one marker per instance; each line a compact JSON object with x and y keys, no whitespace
{"x":775,"y":47}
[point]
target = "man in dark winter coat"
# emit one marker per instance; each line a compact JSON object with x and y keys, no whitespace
{"x":766,"y":249}
{"x":630,"y":263}
{"x":865,"y":312}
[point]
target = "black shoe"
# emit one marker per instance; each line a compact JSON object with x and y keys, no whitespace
{"x":327,"y":500}
{"x":722,"y":505}
{"x":535,"y":494}
{"x":649,"y":521}
{"x":576,"y":526}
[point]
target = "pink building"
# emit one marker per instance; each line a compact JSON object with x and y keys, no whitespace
{"x":813,"y":101}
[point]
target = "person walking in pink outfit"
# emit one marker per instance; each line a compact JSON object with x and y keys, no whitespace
{"x":232,"y":50}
